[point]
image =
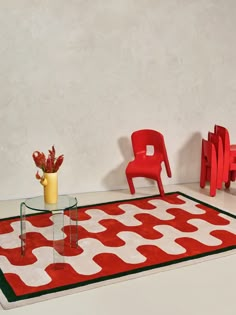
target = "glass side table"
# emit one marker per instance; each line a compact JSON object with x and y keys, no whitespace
{"x":57,"y":210}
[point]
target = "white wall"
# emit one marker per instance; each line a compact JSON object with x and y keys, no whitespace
{"x":83,"y":75}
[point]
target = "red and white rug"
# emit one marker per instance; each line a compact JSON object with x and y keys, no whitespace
{"x":118,"y":240}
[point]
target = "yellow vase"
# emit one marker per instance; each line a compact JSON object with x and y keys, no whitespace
{"x":50,"y":184}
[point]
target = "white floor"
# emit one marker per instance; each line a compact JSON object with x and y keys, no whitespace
{"x":202,"y":289}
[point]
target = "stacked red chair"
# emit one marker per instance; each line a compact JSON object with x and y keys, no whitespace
{"x":218,"y":160}
{"x":229,"y":152}
{"x":145,"y":164}
{"x":217,"y":141}
{"x":208,"y":166}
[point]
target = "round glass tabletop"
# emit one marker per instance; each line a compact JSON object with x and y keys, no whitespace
{"x":64,"y":202}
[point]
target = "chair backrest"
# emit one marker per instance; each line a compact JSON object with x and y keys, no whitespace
{"x":217,"y":141}
{"x":224,"y":134}
{"x":209,"y":154}
{"x":142,"y":139}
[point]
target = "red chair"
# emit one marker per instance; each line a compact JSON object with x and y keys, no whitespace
{"x":145,"y":164}
{"x":217,"y":141}
{"x":229,"y":152}
{"x":208,"y":166}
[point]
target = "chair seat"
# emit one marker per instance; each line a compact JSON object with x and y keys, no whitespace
{"x":147,"y":166}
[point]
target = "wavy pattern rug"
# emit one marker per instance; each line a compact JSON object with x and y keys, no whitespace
{"x":117,"y":241}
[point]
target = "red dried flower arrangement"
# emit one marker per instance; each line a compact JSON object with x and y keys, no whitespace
{"x":49,"y":164}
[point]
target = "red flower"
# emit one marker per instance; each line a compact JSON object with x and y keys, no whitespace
{"x":58,"y":162}
{"x":39,"y":159}
{"x":51,"y":164}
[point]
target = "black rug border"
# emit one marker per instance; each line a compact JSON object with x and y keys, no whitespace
{"x":11,"y":297}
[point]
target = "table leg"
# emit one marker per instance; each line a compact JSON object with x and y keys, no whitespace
{"x":73,"y":214}
{"x":58,"y":238}
{"x":22,"y":228}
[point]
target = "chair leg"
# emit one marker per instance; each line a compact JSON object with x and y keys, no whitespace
{"x":160,"y":186}
{"x":203,"y":176}
{"x":233,"y":176}
{"x":219,"y":182}
{"x":213,"y":181}
{"x":131,"y":184}
{"x":227,"y":184}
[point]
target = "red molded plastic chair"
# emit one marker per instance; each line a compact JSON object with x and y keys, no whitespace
{"x":145,"y":164}
{"x":217,"y":141}
{"x":229,"y":152}
{"x":208,"y":166}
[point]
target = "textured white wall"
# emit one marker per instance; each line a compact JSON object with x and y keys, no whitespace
{"x":83,"y":75}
